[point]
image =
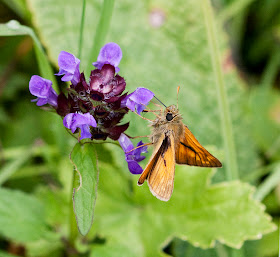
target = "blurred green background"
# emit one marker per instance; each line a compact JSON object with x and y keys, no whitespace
{"x":164,"y":45}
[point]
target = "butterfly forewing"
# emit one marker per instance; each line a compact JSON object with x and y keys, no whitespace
{"x":161,"y":176}
{"x":190,"y":151}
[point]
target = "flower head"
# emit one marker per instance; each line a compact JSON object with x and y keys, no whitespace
{"x":82,"y":121}
{"x":132,"y":157}
{"x":42,"y":88}
{"x":111,"y":53}
{"x":69,"y":67}
{"x":95,"y":108}
{"x":138,"y":99}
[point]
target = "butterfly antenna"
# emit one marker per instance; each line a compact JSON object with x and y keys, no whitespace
{"x":178,"y":88}
{"x":160,"y":101}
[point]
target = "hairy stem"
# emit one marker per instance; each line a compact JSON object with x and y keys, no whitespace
{"x":82,"y":30}
{"x":225,"y":115}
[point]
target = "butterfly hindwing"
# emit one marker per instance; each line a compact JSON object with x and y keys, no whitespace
{"x":190,"y":151}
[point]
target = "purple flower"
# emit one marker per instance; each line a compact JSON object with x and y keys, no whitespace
{"x":69,"y":67}
{"x":134,"y":156}
{"x":42,"y":88}
{"x":82,"y":121}
{"x":138,"y":99}
{"x":111,"y":53}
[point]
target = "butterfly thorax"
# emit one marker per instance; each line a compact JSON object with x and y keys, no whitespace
{"x":169,"y":122}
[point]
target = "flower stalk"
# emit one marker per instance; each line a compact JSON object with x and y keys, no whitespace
{"x":101,"y":30}
{"x":225,"y":115}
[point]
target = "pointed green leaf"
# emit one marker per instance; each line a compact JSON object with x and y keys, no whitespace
{"x":22,"y":216}
{"x":84,"y":159}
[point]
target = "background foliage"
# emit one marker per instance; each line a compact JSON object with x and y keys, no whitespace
{"x":164,"y":45}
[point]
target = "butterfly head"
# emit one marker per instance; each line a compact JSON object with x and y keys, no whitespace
{"x":172,"y":114}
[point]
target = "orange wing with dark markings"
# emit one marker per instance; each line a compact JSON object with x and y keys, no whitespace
{"x":161,"y":169}
{"x":190,"y":151}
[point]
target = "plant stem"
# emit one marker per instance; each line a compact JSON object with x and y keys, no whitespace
{"x":82,"y":30}
{"x":271,"y":70}
{"x":269,"y":184}
{"x":101,"y":31}
{"x":226,"y":124}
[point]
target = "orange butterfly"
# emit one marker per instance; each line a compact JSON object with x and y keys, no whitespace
{"x":173,"y":142}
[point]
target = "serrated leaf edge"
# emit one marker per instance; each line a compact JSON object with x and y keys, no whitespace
{"x":244,"y":238}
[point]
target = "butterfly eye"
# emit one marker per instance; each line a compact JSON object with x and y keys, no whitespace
{"x":169,"y":116}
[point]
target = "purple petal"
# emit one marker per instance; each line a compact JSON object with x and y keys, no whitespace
{"x":85,"y":132}
{"x":41,"y":101}
{"x":39,"y":86}
{"x":141,"y":95}
{"x":111,"y":53}
{"x":67,"y":121}
{"x":42,"y":88}
{"x":137,"y":152}
{"x":69,"y":67}
{"x":134,"y":167}
{"x":138,"y":99}
{"x":79,"y":120}
{"x":125,"y":143}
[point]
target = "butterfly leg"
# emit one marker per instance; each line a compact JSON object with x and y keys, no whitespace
{"x":142,"y":117}
{"x":138,"y":147}
{"x":136,"y":136}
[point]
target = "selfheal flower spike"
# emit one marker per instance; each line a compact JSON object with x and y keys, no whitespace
{"x":69,"y":67}
{"x":100,"y":100}
{"x":42,"y":88}
{"x":82,"y":121}
{"x":111,"y":53}
{"x":132,"y":157}
{"x":138,"y":99}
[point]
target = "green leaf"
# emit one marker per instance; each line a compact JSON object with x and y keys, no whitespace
{"x":84,"y":158}
{"x":22,"y":216}
{"x":14,"y":28}
{"x":197,"y":212}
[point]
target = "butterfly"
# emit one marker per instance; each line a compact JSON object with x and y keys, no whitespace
{"x":173,"y":143}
